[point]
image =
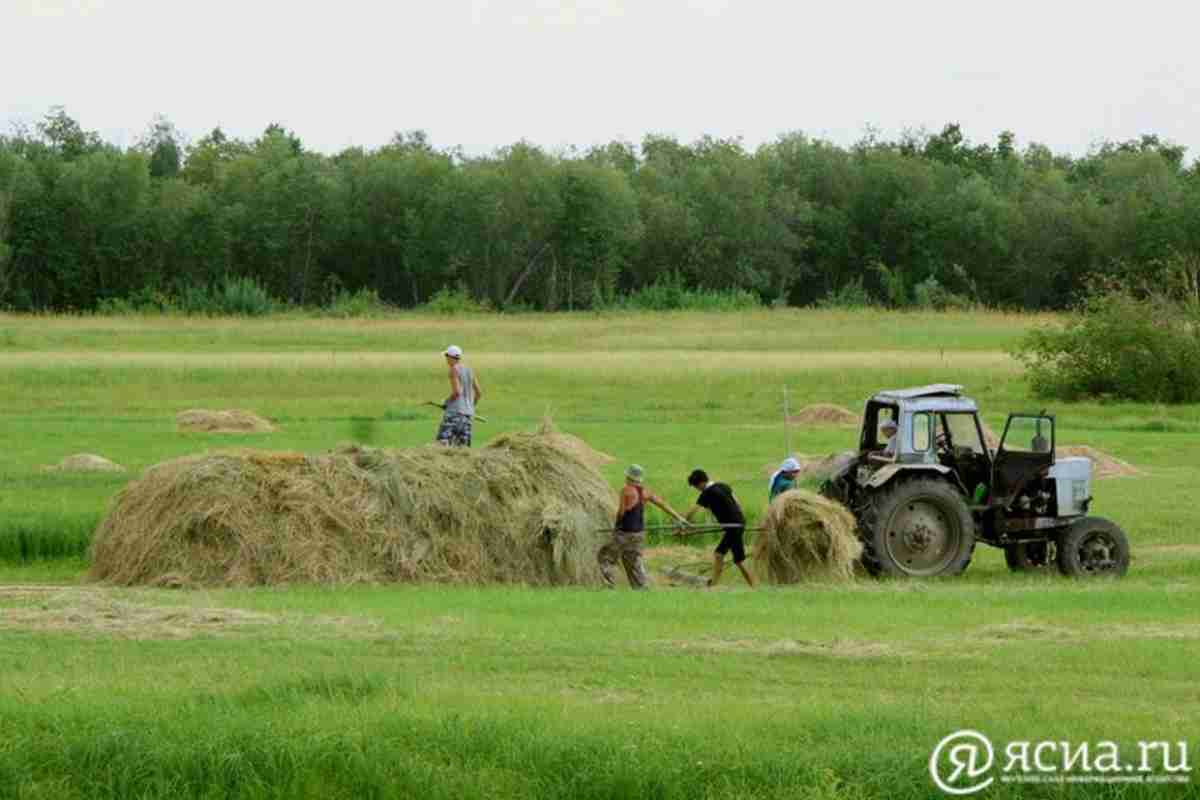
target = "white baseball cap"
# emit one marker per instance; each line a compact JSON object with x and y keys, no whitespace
{"x":454,"y":351}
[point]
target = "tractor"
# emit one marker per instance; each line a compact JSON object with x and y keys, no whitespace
{"x":923,"y":499}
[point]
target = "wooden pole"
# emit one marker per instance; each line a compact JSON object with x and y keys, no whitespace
{"x":787,"y":429}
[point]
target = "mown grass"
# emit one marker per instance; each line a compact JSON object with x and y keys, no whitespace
{"x":824,"y":692}
{"x":818,"y":692}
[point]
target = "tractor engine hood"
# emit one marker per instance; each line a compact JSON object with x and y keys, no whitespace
{"x":1072,"y":484}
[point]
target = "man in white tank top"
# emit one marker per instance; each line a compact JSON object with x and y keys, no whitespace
{"x":455,"y":430}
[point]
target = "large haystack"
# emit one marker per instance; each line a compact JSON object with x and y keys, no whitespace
{"x":231,"y":420}
{"x":86,"y":462}
{"x":825,"y":414}
{"x":521,"y":510}
{"x":574,"y":445}
{"x":806,"y":537}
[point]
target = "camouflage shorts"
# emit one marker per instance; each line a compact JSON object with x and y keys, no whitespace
{"x":627,"y":549}
{"x":455,"y":431}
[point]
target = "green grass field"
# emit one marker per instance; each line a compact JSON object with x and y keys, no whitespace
{"x":411,"y":691}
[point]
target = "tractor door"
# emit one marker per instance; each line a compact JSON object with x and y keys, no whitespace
{"x":1026,"y":452}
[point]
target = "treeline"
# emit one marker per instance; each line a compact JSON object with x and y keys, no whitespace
{"x":927,"y":219}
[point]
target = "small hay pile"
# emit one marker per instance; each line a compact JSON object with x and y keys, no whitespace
{"x":806,"y":537}
{"x":86,"y":462}
{"x":1103,"y":465}
{"x":232,"y":420}
{"x":521,"y":510}
{"x":825,"y":414}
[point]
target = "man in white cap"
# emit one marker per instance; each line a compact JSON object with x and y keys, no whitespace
{"x":630,"y":532}
{"x":888,"y":429}
{"x":455,"y":430}
{"x":784,"y":478}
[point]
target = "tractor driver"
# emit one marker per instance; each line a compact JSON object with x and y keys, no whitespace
{"x":888,"y":429}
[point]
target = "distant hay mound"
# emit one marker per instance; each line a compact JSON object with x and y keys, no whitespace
{"x":1103,"y":465}
{"x":86,"y":462}
{"x":521,"y":510}
{"x":825,"y":414}
{"x":232,"y":420}
{"x":806,"y":537}
{"x":574,"y":445}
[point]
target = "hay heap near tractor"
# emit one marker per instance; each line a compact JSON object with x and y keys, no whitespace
{"x":806,"y":537}
{"x":524,"y":510}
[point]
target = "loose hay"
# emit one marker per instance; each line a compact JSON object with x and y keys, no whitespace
{"x":86,"y":462}
{"x":521,"y":510}
{"x":837,"y":648}
{"x":825,"y":414}
{"x":232,"y":420}
{"x":806,"y":537}
{"x":123,"y":614}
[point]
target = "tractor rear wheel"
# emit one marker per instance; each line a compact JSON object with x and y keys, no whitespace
{"x":1029,"y":556}
{"x":1093,"y":547}
{"x":918,"y":528}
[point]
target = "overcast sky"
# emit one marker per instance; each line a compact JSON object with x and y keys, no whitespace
{"x":485,"y":73}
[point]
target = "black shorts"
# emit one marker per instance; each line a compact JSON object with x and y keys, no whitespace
{"x":732,"y":542}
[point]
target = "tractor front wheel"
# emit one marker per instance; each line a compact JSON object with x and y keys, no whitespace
{"x":1093,"y":547}
{"x":919,"y":528}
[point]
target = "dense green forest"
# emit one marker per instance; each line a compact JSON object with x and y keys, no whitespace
{"x":929,"y":219}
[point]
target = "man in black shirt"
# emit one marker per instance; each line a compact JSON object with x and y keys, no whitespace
{"x":718,"y":499}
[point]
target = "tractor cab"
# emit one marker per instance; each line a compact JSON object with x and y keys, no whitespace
{"x":937,"y":428}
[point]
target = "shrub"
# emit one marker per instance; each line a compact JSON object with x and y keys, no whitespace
{"x":849,"y":295}
{"x":930,"y":293}
{"x":195,"y":301}
{"x":232,"y":297}
{"x":363,"y":303}
{"x":455,"y":301}
{"x":244,"y":297}
{"x":1118,"y":344}
{"x":141,"y":301}
{"x":894,"y":283}
{"x":114,"y":307}
{"x":670,"y":295}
